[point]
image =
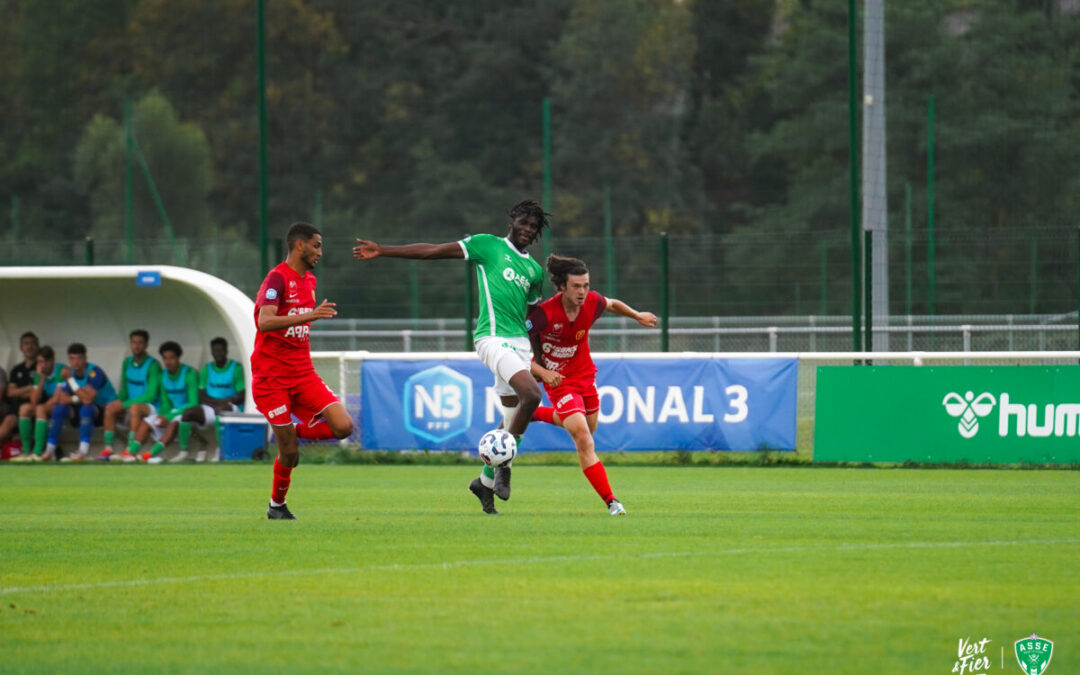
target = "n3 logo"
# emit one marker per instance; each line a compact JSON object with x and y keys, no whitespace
{"x":438,"y":403}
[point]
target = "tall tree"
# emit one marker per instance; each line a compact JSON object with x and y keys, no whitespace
{"x":621,"y":99}
{"x":177,"y":160}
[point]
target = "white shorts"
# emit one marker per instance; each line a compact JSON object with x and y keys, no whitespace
{"x":210,"y":414}
{"x":156,"y":431}
{"x":505,"y":357}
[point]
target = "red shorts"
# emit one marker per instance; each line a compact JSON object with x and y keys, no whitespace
{"x":280,"y":398}
{"x":575,"y":397}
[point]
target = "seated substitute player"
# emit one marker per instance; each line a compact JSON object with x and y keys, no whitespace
{"x":20,"y":385}
{"x":34,"y":414}
{"x":283,"y":379}
{"x":179,"y":392}
{"x":82,"y":399}
{"x":140,"y":387}
{"x":9,"y":421}
{"x":221,"y":390}
{"x":559,"y":330}
{"x":509,"y":281}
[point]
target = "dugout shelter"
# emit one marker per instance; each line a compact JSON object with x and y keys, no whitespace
{"x":100,"y":306}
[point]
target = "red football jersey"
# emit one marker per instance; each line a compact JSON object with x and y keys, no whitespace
{"x":285,"y":352}
{"x":564,"y":344}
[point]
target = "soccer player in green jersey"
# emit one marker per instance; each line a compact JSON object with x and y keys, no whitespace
{"x":510,"y":282}
{"x":179,"y":392}
{"x":140,"y":380}
{"x":34,"y":415}
{"x":221,"y":390}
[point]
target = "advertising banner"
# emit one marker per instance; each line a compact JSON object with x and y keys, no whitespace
{"x":645,"y":404}
{"x":979,"y":414}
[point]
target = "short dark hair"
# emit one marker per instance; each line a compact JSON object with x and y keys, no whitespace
{"x":561,"y":267}
{"x":300,"y":232}
{"x":220,"y":341}
{"x":76,"y":348}
{"x":28,"y":334}
{"x":171,"y":346}
{"x":47,"y":352}
{"x":530,"y":207}
{"x":139,"y":332}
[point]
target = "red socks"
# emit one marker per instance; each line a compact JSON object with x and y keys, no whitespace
{"x":544,"y":414}
{"x":282,"y":477}
{"x":320,"y":431}
{"x":598,"y":477}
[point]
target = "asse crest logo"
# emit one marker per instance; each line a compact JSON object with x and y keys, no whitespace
{"x":1033,"y":654}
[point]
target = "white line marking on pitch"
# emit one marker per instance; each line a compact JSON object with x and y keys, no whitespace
{"x":121,"y":583}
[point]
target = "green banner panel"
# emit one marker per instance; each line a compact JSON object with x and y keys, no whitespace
{"x":979,"y":414}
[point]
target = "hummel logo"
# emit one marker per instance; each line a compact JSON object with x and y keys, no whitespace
{"x":968,"y":409}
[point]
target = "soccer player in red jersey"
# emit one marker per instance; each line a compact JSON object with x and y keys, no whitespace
{"x":284,"y":382}
{"x":559,"y":331}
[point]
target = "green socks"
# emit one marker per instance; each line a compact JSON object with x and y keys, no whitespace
{"x":158,"y":447}
{"x":41,"y":433}
{"x":26,"y":429}
{"x":185,"y":435}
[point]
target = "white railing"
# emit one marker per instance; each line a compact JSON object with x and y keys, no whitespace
{"x":732,"y":334}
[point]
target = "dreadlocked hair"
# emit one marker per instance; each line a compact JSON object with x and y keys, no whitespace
{"x":561,"y":267}
{"x":531,"y":207}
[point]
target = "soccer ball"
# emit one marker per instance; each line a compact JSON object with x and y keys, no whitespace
{"x":497,"y":447}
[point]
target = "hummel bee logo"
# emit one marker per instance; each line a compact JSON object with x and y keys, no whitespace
{"x":968,"y":409}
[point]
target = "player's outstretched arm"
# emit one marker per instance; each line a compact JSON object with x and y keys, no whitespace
{"x":647,"y":319}
{"x":366,"y":250}
{"x":270,"y":321}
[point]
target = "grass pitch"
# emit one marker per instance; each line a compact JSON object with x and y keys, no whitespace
{"x":395,"y":569}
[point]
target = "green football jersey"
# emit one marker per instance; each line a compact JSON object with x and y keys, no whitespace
{"x":509,"y":281}
{"x":178,"y":392}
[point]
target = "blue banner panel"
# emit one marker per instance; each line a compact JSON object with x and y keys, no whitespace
{"x":645,"y":404}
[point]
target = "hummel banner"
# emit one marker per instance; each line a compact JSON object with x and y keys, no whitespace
{"x":981,"y":414}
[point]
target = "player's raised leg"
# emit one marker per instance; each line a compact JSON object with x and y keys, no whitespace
{"x":331,"y":421}
{"x":517,"y":420}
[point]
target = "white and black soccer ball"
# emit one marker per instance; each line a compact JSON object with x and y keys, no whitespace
{"x":497,"y":447}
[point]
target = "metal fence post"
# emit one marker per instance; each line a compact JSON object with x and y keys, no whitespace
{"x":664,"y":308}
{"x":868,"y":242}
{"x":260,"y":100}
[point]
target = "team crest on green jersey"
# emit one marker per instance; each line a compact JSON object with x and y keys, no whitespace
{"x":1033,"y":654}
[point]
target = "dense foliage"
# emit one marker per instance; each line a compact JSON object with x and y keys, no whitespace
{"x":409,"y":120}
